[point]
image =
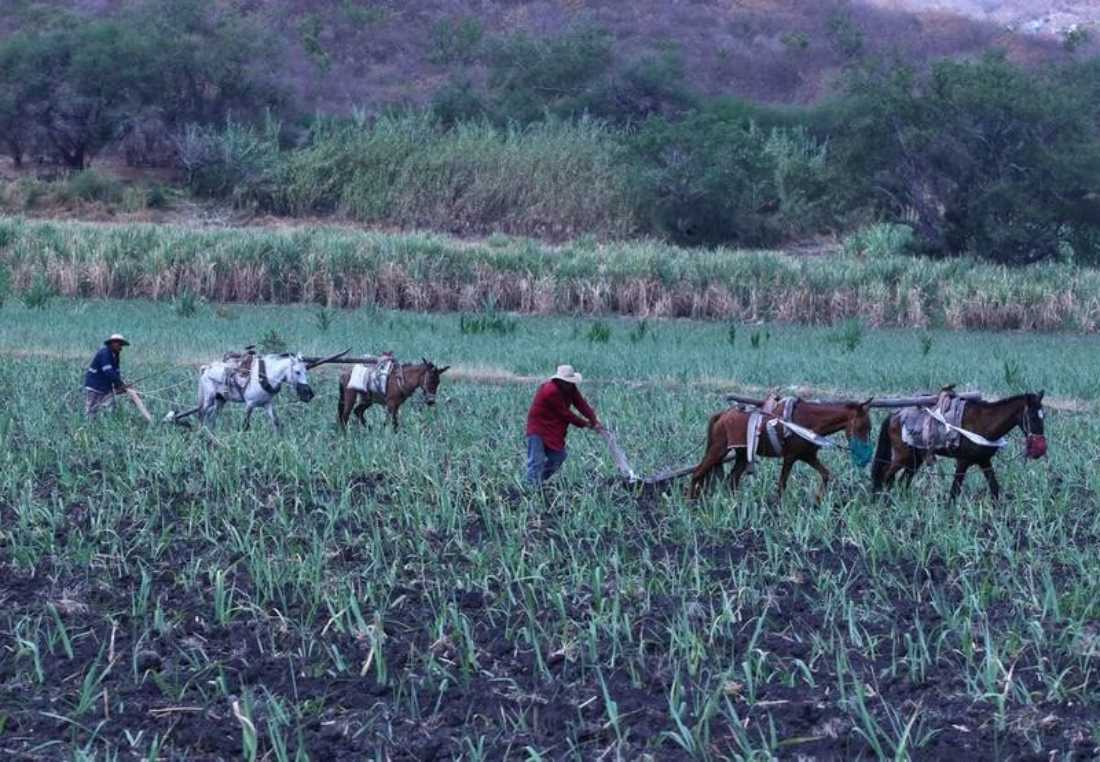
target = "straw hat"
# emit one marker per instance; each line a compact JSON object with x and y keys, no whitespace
{"x":568,"y":374}
{"x":117,"y":337}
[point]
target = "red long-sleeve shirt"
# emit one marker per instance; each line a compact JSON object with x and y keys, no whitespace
{"x":550,"y":416}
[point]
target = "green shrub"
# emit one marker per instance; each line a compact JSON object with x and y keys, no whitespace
{"x":530,"y":77}
{"x":159,"y":197}
{"x":273,"y":342}
{"x":489,"y":321}
{"x":455,"y":41}
{"x":576,"y":73}
{"x":310,"y":30}
{"x":598,"y":333}
{"x":186,"y":304}
{"x":926,"y":343}
{"x":27,"y":193}
{"x":91,"y":185}
{"x":849,"y":335}
{"x":239,"y":162}
{"x":38,"y":296}
{"x":457,"y":102}
{"x":1012,"y":372}
{"x":882,"y":239}
{"x":323,"y":318}
{"x":718,"y":176}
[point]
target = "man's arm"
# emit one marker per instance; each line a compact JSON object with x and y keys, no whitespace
{"x":582,"y":404}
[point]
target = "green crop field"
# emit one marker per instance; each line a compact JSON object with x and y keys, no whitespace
{"x":169,"y":595}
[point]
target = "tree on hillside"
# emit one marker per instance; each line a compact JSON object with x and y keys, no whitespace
{"x":19,"y":85}
{"x":74,"y":85}
{"x":718,"y":176}
{"x":572,"y":74}
{"x":94,"y":76}
{"x":979,"y":156}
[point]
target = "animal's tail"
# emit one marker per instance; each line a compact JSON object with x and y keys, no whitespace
{"x":883,"y":456}
{"x":702,"y":472}
{"x":710,"y":429}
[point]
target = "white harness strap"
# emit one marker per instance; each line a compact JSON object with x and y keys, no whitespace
{"x":808,"y":434}
{"x":977,"y":439}
{"x":752,"y":435}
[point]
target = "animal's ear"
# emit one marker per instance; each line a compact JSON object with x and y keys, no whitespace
{"x":866,"y":404}
{"x":444,"y":369}
{"x":1041,"y":393}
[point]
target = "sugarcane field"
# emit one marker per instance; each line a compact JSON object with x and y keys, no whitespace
{"x":330,"y":590}
{"x":539,"y":380}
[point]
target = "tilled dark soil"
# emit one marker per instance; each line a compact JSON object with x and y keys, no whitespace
{"x":184,"y":684}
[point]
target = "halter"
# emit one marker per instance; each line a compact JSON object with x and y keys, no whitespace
{"x":428,"y":396}
{"x":1035,"y":444}
{"x":1025,"y":418}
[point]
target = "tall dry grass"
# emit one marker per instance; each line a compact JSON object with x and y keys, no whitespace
{"x":553,"y":180}
{"x":346,"y":268}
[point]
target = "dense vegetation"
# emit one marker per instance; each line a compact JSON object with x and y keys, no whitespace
{"x":561,"y":136}
{"x":869,"y":282}
{"x":316,"y":596}
{"x":70,"y":86}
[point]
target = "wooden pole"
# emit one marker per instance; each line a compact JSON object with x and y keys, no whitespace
{"x":923,"y":400}
{"x":927,"y":399}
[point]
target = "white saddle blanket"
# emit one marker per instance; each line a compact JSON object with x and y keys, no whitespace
{"x":371,"y":379}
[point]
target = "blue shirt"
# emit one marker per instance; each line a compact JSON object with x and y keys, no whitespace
{"x":103,"y":375}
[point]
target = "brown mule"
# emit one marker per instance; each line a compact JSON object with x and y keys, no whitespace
{"x":991,"y":420}
{"x":404,"y":380}
{"x":729,"y":429}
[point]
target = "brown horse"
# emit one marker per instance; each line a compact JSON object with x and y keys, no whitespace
{"x":729,"y":429}
{"x":991,"y":420}
{"x":403,"y":381}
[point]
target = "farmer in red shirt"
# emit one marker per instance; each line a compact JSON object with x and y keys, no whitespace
{"x":549,"y":418}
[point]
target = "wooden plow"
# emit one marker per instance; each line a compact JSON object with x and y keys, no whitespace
{"x":633,"y":479}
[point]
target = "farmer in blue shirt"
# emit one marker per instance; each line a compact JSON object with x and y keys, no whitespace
{"x":103,"y":379}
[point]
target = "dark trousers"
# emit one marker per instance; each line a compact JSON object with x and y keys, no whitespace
{"x":542,"y":462}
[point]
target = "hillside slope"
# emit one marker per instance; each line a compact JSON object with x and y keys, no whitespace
{"x":345,"y":54}
{"x":785,"y":51}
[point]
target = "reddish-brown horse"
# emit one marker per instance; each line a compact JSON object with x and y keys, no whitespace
{"x":403,"y":381}
{"x":729,"y":429}
{"x":991,"y":420}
